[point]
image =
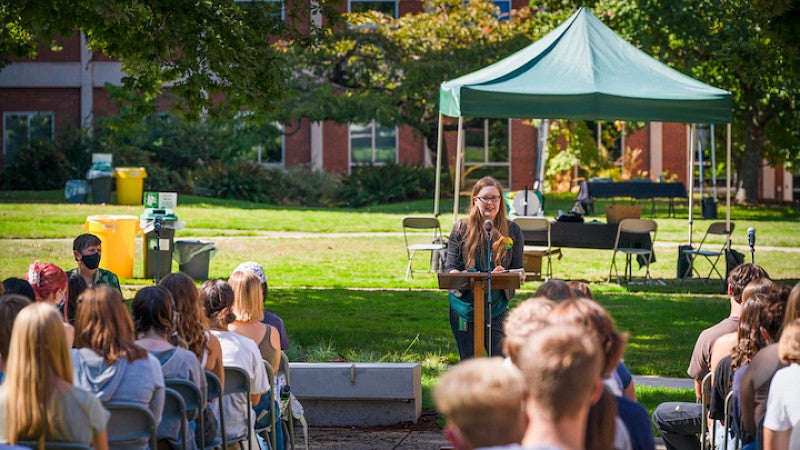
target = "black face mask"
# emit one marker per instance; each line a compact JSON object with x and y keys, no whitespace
{"x":91,"y":261}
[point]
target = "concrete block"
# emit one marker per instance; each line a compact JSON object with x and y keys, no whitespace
{"x":353,"y":394}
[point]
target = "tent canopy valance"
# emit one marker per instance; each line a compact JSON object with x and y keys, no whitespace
{"x":581,"y":71}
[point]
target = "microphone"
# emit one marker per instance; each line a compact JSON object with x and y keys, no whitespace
{"x":751,"y":237}
{"x":157,"y":224}
{"x":488,"y":226}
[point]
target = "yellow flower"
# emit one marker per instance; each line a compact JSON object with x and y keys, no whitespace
{"x":509,"y":243}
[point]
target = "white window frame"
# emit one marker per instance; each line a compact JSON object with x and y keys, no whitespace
{"x":28,"y":115}
{"x":373,"y":132}
{"x":282,"y":163}
{"x":282,"y":2}
{"x":395,"y":2}
{"x":486,"y":162}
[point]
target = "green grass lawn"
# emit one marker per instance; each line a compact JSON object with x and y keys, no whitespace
{"x":342,"y":292}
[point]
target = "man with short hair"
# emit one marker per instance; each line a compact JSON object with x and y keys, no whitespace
{"x":561,"y":365}
{"x":680,"y":422}
{"x":86,"y":250}
{"x":482,"y":400}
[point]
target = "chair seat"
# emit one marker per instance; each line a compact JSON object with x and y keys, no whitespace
{"x":701,"y":252}
{"x":636,"y":251}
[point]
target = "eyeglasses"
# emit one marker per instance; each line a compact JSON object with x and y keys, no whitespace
{"x":493,"y":199}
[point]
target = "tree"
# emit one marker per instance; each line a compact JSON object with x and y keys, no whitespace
{"x":204,"y":50}
{"x":389,"y":70}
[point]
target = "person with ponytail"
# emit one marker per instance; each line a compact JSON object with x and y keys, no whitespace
{"x":38,"y":401}
{"x":467,"y":250}
{"x":49,"y":283}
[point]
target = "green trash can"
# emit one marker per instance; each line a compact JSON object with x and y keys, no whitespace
{"x":158,"y":225}
{"x":193,"y":257}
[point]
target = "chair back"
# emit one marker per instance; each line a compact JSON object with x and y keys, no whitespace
{"x":421,"y":223}
{"x":237,"y":381}
{"x":174,"y":414}
{"x":190,"y":393}
{"x":538,"y":225}
{"x":214,"y":391}
{"x":638,"y":226}
{"x":705,"y":392}
{"x":130,"y":422}
{"x":720,"y":228}
{"x":269,"y":427}
{"x":48,"y":445}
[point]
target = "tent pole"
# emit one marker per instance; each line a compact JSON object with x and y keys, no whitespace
{"x":728,"y":183}
{"x":459,"y":151}
{"x":439,"y":140}
{"x":691,"y":179}
{"x":543,"y":154}
{"x":713,"y":164}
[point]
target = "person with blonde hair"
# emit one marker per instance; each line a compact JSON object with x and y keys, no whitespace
{"x":106,"y":359}
{"x":782,"y":419}
{"x":483,"y":402}
{"x":471,"y":249}
{"x":562,"y":366}
{"x":528,"y":317}
{"x":248,"y":307}
{"x":38,"y":401}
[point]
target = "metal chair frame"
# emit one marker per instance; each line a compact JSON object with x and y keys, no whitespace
{"x":271,"y":431}
{"x":237,"y":381}
{"x":713,"y":257}
{"x":728,"y":424}
{"x":174,"y":407}
{"x":193,"y":402}
{"x":437,"y":241}
{"x":538,"y":224}
{"x":214,"y":391}
{"x":705,"y":392}
{"x":634,"y":226}
{"x":130,"y":421}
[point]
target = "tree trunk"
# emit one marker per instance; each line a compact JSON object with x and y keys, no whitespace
{"x":750,"y":163}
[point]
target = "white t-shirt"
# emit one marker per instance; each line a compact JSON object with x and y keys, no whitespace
{"x":783,"y":403}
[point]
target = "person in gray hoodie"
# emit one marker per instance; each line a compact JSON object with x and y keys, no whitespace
{"x":107,"y":361}
{"x":152,"y":312}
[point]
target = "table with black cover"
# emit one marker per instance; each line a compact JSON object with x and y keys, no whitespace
{"x":595,"y":235}
{"x":590,"y":190}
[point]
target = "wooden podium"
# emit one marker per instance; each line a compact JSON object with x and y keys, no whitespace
{"x":477,"y":282}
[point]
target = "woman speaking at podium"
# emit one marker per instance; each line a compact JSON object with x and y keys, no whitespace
{"x":467,"y":251}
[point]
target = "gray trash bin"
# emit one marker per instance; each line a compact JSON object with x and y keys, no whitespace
{"x":193,"y":257}
{"x":100,"y":176}
{"x":158,"y":263}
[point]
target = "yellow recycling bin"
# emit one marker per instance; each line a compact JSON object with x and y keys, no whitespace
{"x":130,"y":185}
{"x":117,"y":236}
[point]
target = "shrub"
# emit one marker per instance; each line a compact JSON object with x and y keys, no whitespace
{"x":303,"y":186}
{"x":38,"y":167}
{"x":240,"y":179}
{"x":369,"y":185}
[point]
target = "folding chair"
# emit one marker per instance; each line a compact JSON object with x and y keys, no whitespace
{"x":237,"y":381}
{"x":50,"y":445}
{"x":541,"y":227}
{"x":193,"y":403}
{"x":634,"y":234}
{"x":728,"y":425}
{"x":214,"y":391}
{"x":712,"y":256}
{"x":174,"y":410}
{"x":434,"y":241}
{"x":269,"y":430}
{"x":291,"y":409}
{"x":130,"y":422}
{"x":705,"y":392}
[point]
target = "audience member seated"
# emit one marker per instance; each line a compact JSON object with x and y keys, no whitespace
{"x":782,"y":419}
{"x":483,"y":402}
{"x":10,"y":306}
{"x":270,"y":318}
{"x":48,"y":408}
{"x":50,"y":286}
{"x":239,"y":351}
{"x":758,"y":376}
{"x":561,"y":366}
{"x":87,"y":252}
{"x":18,"y":286}
{"x":594,"y":319}
{"x":759,"y":325}
{"x":555,"y":290}
{"x":680,"y":422}
{"x":528,"y":317}
{"x":76,"y":285}
{"x":248,"y":310}
{"x":106,"y":359}
{"x":152,"y":315}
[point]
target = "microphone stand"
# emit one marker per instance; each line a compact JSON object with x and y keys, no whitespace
{"x":157,"y":229}
{"x":489,"y":290}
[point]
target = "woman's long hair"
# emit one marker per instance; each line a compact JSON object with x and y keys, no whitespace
{"x":105,"y":326}
{"x":192,"y":323}
{"x":248,"y":300}
{"x":152,"y":310}
{"x":475,"y":235}
{"x":38,"y":358}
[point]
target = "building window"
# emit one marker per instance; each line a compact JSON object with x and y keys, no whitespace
{"x":372,"y":144}
{"x":388,"y":7}
{"x":266,"y":140}
{"x":20,"y":128}
{"x":275,"y":8}
{"x":487,"y":150}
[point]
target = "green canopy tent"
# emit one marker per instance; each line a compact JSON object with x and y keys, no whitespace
{"x":582,"y":71}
